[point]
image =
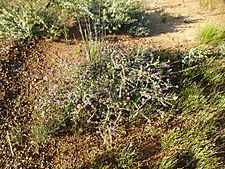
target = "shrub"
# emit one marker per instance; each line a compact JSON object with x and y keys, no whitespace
{"x":28,"y":19}
{"x":212,"y":34}
{"x":122,"y":85}
{"x":111,"y":16}
{"x":119,"y":87}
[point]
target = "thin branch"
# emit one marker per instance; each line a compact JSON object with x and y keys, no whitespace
{"x":10,"y":145}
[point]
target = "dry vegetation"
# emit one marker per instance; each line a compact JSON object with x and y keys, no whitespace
{"x":111,"y":101}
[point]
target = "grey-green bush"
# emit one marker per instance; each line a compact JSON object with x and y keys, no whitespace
{"x":27,"y":20}
{"x":111,"y":15}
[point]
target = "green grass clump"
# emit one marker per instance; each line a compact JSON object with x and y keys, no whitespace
{"x":212,"y":34}
{"x":207,"y":4}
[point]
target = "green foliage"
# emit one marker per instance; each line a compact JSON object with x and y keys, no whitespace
{"x":127,"y":156}
{"x":48,"y":19}
{"x":29,"y":19}
{"x":194,"y":57}
{"x":164,"y":17}
{"x":192,"y":145}
{"x":212,"y":34}
{"x":110,"y":16}
{"x":193,"y":142}
{"x":139,"y":28}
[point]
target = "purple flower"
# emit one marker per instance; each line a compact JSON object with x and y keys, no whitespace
{"x":166,"y":65}
{"x":58,"y":102}
{"x":85,"y":72}
{"x":114,"y":123}
{"x":160,"y":90}
{"x":113,"y":133}
{"x":55,"y":86}
{"x":82,"y":77}
{"x":143,"y":101}
{"x":88,"y":121}
{"x":106,"y":90}
{"x":52,"y":70}
{"x":157,"y":86}
{"x":78,"y":106}
{"x":36,"y":107}
{"x":165,"y":105}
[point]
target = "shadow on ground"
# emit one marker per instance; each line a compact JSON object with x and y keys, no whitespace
{"x":156,"y":20}
{"x":160,"y":22}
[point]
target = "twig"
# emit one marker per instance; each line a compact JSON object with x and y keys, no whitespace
{"x":10,"y":145}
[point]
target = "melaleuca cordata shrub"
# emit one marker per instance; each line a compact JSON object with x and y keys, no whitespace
{"x":29,"y":19}
{"x":110,"y":15}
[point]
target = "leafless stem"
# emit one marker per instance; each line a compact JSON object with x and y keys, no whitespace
{"x":10,"y":145}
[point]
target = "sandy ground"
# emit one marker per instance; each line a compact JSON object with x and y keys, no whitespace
{"x":184,"y":19}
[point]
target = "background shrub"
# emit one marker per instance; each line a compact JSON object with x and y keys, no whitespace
{"x":29,"y":19}
{"x":111,"y":16}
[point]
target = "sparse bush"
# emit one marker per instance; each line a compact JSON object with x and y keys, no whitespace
{"x":194,"y":57}
{"x":29,"y":19}
{"x":120,"y":86}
